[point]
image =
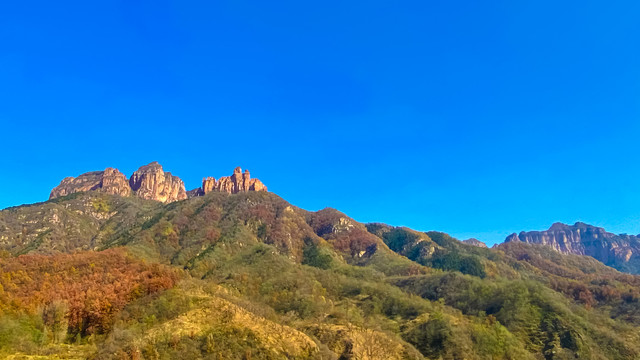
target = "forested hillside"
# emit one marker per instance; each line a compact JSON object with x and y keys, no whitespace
{"x":250,"y":276}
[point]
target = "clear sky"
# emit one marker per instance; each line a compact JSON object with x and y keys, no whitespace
{"x":477,"y":118}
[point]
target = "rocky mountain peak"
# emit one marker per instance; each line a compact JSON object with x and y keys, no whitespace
{"x":148,"y":182}
{"x":619,"y":251}
{"x":475,"y":242}
{"x":578,"y":226}
{"x":151,"y":167}
{"x":558,"y":226}
{"x":152,"y":183}
{"x":110,"y":181}
{"x":238,"y":182}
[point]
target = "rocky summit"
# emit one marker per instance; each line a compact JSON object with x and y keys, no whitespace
{"x":110,"y":181}
{"x":475,"y":242}
{"x":238,"y":182}
{"x":619,"y":251}
{"x":151,"y":182}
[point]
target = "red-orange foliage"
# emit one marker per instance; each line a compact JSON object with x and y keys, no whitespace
{"x":95,"y":285}
{"x":353,"y":241}
{"x":350,"y":239}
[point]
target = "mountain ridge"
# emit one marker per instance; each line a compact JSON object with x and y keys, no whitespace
{"x":151,"y":182}
{"x":619,"y":251}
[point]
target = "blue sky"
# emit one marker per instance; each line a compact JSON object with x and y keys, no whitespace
{"x":474,"y":118}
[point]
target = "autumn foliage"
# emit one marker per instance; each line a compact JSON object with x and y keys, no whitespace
{"x":94,"y":286}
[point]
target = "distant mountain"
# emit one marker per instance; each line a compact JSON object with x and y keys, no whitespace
{"x":475,"y":242}
{"x":618,"y":251}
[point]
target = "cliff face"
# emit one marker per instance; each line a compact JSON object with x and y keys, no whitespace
{"x":110,"y":181}
{"x":238,"y":182}
{"x":152,"y":183}
{"x":114,"y":182}
{"x":619,"y":251}
{"x":149,"y":182}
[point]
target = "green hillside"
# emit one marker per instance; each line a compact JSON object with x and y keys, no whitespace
{"x":250,"y":276}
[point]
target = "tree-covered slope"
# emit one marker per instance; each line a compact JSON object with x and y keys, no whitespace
{"x":250,"y":276}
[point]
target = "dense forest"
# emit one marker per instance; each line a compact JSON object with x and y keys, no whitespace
{"x":250,"y":276}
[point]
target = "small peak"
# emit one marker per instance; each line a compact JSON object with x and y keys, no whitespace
{"x":512,"y":237}
{"x":475,"y":242}
{"x":237,"y":170}
{"x":587,"y":227}
{"x":154,"y":165}
{"x":558,"y":226}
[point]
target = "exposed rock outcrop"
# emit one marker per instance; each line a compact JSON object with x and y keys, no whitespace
{"x":237,"y":182}
{"x":619,"y":251}
{"x":149,"y":182}
{"x":208,"y":185}
{"x":110,"y":181}
{"x":152,"y":183}
{"x":194,"y":192}
{"x":475,"y":242}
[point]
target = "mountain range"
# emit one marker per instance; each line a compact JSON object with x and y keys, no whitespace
{"x":112,"y":267}
{"x":619,"y":251}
